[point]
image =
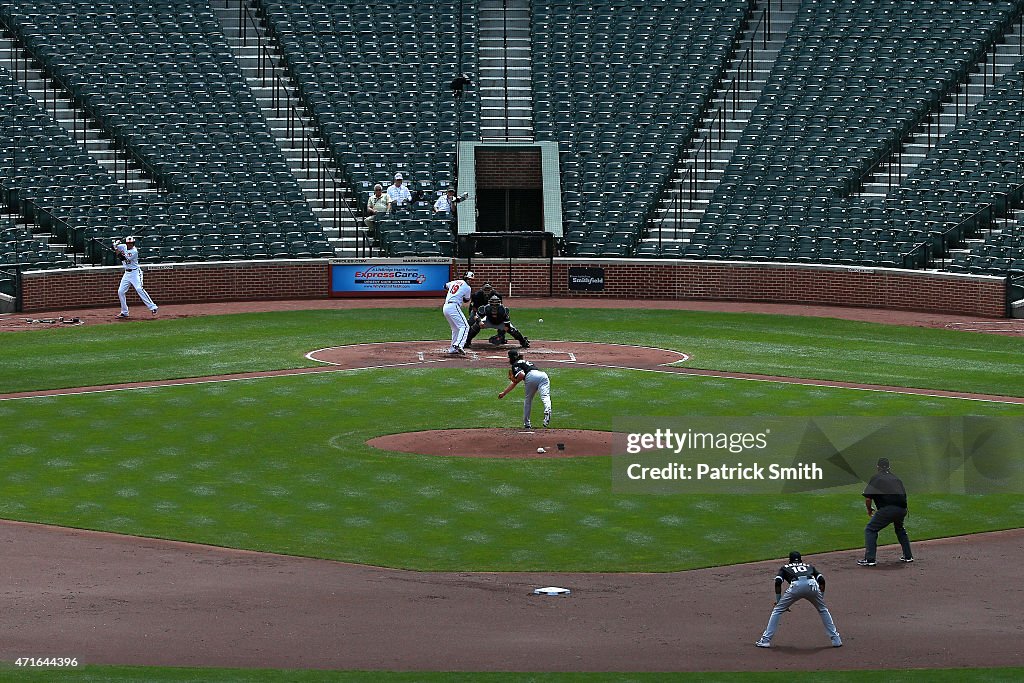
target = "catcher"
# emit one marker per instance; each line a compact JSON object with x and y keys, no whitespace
{"x":480,"y":299}
{"x":494,"y":316}
{"x":534,"y":380}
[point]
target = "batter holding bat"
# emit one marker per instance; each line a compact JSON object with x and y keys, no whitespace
{"x":534,"y":381}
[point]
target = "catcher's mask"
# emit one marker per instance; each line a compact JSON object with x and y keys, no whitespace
{"x":487,"y":287}
{"x":513,"y":356}
{"x":794,"y":556}
{"x":494,"y":300}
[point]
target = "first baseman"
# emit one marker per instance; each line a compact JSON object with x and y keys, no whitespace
{"x":457,"y":292}
{"x":132,"y":277}
{"x":534,"y":381}
{"x":805,"y":583}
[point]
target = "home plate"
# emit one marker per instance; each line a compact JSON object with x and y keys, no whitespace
{"x":551,"y":590}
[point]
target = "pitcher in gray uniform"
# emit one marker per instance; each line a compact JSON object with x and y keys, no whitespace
{"x":805,"y":583}
{"x":534,"y":381}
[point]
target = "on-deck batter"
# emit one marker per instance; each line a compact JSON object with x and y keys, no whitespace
{"x":132,"y":276}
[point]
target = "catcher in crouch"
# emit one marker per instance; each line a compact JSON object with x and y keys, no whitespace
{"x":494,"y":316}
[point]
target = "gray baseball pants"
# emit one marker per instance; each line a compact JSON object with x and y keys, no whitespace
{"x":536,"y":382}
{"x":801,"y":589}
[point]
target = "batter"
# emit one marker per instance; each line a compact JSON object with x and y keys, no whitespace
{"x":457,"y":292}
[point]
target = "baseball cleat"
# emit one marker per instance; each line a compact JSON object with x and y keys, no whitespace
{"x":763,"y":643}
{"x":837,"y":642}
{"x":122,"y":315}
{"x":458,"y":352}
{"x":154,"y":311}
{"x":866,"y":563}
{"x":906,"y":559}
{"x":527,"y":425}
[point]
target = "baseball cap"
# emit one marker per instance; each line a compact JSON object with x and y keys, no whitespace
{"x":794,"y":556}
{"x":469,"y":275}
{"x":883,"y":463}
{"x":398,"y":176}
{"x":129,"y":238}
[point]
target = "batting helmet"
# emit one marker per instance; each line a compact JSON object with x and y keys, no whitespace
{"x":794,"y":556}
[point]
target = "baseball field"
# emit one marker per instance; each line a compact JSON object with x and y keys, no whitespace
{"x":194,"y":498}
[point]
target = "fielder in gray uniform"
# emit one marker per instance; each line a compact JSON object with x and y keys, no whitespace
{"x":805,"y":583}
{"x":534,"y":381}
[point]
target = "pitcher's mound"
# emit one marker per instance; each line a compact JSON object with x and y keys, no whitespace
{"x":500,"y":443}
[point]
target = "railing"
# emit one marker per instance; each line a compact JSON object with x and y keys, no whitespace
{"x":743,"y":74}
{"x":72,"y":232}
{"x":15,"y":275}
{"x":933,"y":129}
{"x":297,"y":133}
{"x":56,"y":88}
{"x":980,"y":221}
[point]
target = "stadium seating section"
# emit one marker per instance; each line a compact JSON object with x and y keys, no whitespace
{"x":975,"y":167}
{"x":159,"y":79}
{"x":621,"y":85}
{"x":852,"y":80}
{"x":376,"y":79}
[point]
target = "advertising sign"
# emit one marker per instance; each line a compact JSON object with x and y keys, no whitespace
{"x":586,"y":279}
{"x":388,"y":277}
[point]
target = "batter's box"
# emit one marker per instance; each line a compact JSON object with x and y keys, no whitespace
{"x":492,"y":352}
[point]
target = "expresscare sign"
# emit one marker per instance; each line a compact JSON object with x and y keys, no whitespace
{"x":388,"y":277}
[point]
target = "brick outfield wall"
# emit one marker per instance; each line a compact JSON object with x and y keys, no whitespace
{"x":504,"y":169}
{"x":770,"y":283}
{"x":178,"y":284}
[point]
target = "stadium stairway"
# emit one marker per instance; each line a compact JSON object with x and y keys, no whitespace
{"x":506,"y":102}
{"x":58,"y":104}
{"x":333,"y":203}
{"x":702,"y":165}
{"x":1000,"y":61}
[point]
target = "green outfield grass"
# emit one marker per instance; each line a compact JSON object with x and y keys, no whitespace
{"x":280,"y":464}
{"x":126,"y":674}
{"x":822,"y":348}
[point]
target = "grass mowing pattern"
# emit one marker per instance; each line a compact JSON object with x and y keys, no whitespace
{"x":821,"y":348}
{"x":128,"y":674}
{"x":279,"y":464}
